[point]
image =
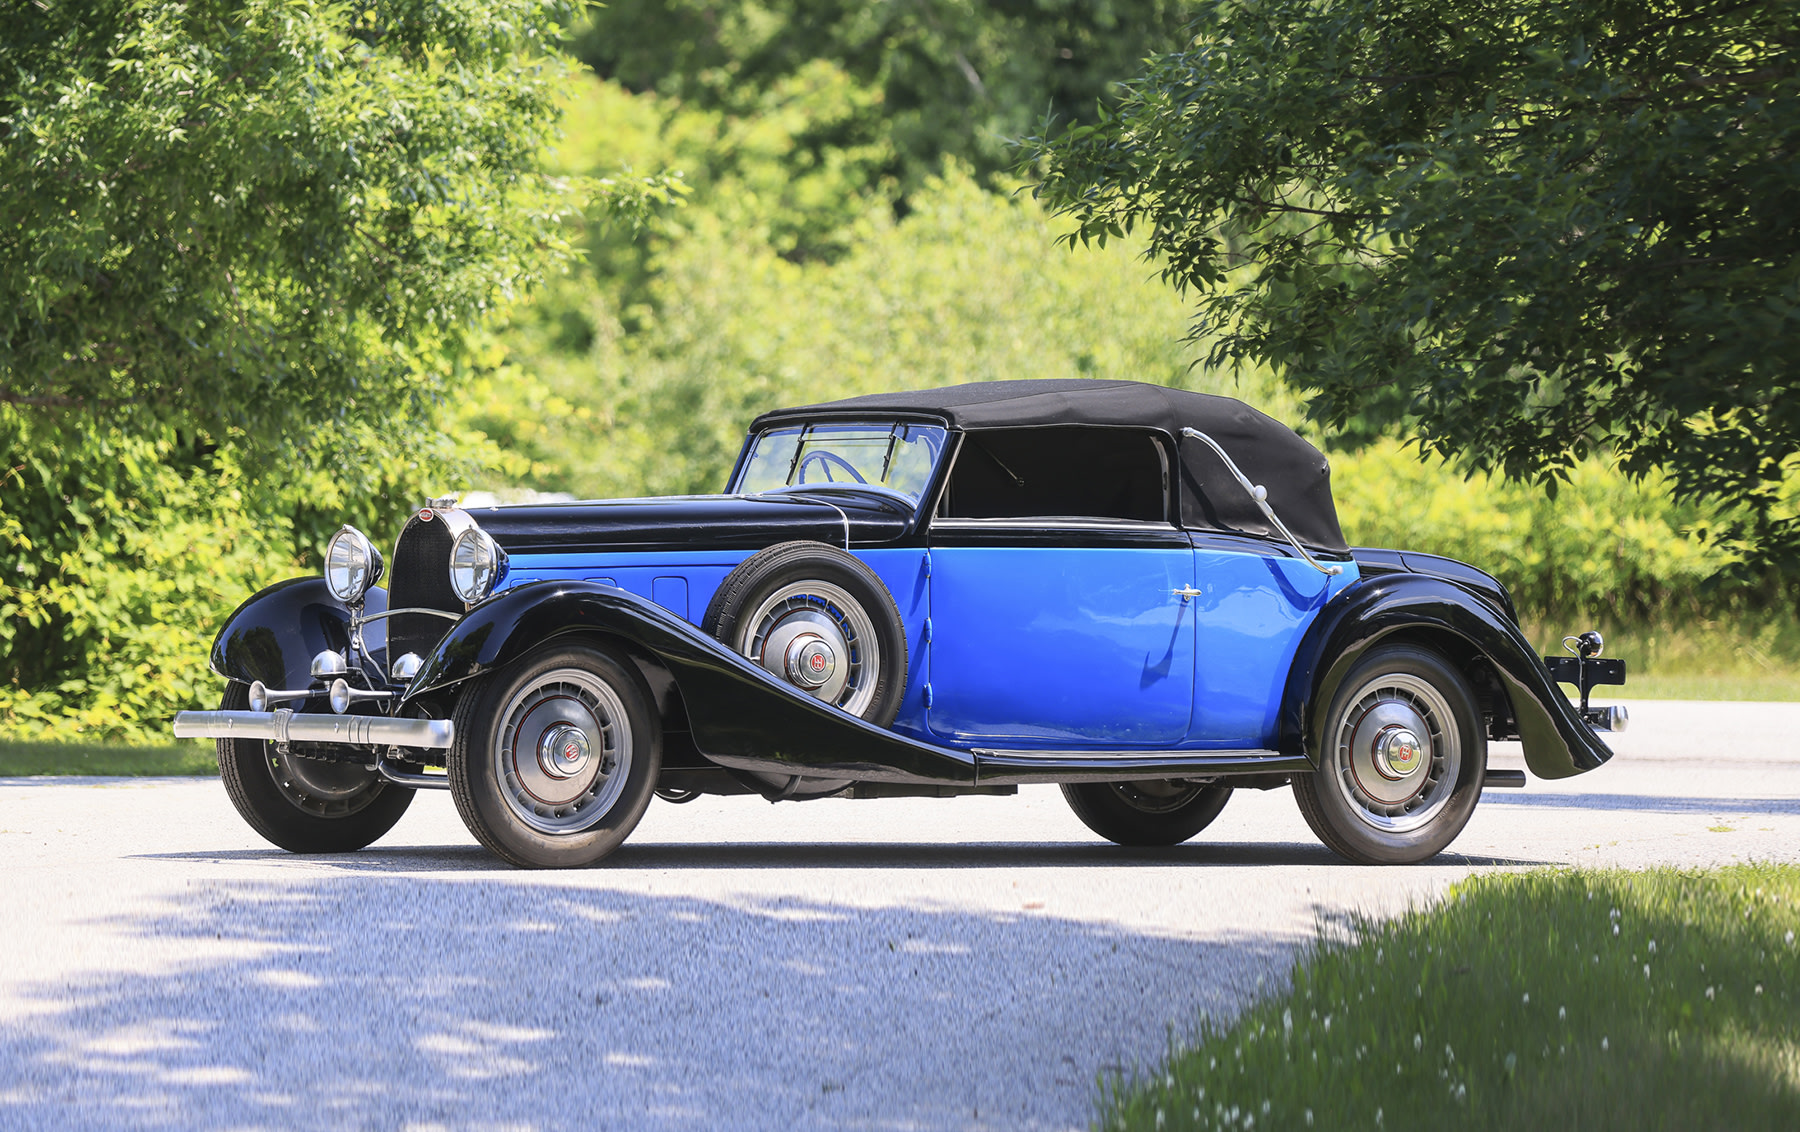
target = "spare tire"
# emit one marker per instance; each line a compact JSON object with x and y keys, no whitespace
{"x":817,"y":618}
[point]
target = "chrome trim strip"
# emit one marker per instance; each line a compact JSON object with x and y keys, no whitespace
{"x":361,"y":621}
{"x":1147,"y":756}
{"x":1028,"y":522}
{"x":995,"y":767}
{"x":1260,"y":496}
{"x":284,"y":726}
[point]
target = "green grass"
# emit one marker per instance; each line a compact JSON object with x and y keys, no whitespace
{"x":1740,"y":658}
{"x":1553,"y":999}
{"x":19,"y":757}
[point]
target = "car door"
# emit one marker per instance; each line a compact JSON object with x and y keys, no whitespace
{"x":1058,"y":618}
{"x":1254,"y":603}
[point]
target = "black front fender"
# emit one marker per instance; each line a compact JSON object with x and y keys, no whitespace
{"x":274,"y":636}
{"x":1390,"y":607}
{"x":739,"y":714}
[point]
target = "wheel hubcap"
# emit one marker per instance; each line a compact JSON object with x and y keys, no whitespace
{"x":817,"y":637}
{"x":564,"y":752}
{"x":811,"y":661}
{"x":1396,"y":753}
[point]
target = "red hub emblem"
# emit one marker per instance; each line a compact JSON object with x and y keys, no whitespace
{"x":818,"y":662}
{"x":571,"y":750}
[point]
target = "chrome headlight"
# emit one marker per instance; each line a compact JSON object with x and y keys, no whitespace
{"x":476,"y":565}
{"x":352,"y":565}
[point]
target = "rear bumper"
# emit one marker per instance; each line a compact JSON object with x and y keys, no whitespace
{"x":285,"y":726}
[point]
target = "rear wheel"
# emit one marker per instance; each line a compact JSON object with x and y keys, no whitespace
{"x":555,"y":759}
{"x":1157,"y":812}
{"x":1403,"y":761}
{"x":305,"y":805}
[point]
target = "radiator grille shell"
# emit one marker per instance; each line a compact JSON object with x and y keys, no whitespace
{"x":421,"y":579}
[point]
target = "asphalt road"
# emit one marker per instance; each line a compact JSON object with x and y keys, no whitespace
{"x":965,"y":963}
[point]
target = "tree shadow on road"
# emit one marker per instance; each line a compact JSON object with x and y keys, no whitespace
{"x":356,"y":999}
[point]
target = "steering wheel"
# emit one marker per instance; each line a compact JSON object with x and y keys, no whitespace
{"x":829,"y":459}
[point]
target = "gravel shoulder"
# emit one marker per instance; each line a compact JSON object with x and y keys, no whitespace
{"x":963,"y":963}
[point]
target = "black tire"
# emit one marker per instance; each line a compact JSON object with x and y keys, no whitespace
{"x":305,"y":805}
{"x":1162,"y":812}
{"x":1419,"y":811}
{"x":838,"y":593}
{"x":579,"y":701}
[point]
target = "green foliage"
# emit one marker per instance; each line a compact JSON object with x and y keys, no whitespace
{"x":249,"y":250}
{"x":961,"y":290}
{"x":263,"y":216}
{"x":1605,"y":543}
{"x":827,"y":106}
{"x":1544,"y":1000}
{"x":121,"y":554}
{"x":1523,"y":233}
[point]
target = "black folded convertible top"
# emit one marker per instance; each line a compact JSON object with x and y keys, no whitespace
{"x":1296,"y":474}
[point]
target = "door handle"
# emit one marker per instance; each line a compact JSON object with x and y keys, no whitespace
{"x":1186,"y":592}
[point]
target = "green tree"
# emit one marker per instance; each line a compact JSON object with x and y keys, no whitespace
{"x":1518,"y":232}
{"x":260,"y":215}
{"x":248,"y":249}
{"x":869,"y":97}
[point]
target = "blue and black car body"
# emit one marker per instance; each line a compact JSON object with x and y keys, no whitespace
{"x":1139,"y":593}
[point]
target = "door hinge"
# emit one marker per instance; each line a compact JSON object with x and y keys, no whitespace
{"x":928,"y":564}
{"x":927,"y":695}
{"x":928,"y":630}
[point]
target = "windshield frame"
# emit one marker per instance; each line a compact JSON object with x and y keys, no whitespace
{"x":938,"y":450}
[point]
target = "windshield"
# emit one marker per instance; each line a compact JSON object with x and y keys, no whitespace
{"x":896,"y":456}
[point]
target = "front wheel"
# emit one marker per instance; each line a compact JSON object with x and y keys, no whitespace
{"x":1160,"y":812}
{"x":1403,"y":762}
{"x":555,"y":759}
{"x":305,"y":805}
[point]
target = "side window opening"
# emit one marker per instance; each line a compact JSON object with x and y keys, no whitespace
{"x":1060,"y":472}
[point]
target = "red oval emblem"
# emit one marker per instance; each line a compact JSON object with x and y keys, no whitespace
{"x":426,"y":515}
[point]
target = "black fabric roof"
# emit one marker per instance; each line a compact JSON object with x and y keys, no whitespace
{"x":1296,"y":474}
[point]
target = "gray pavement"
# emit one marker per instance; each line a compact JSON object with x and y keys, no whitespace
{"x":964,"y":963}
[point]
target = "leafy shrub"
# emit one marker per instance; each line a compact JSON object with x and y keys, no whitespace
{"x":121,"y":555}
{"x":1605,"y":543}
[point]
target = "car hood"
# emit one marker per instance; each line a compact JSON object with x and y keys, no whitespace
{"x":693,"y":522}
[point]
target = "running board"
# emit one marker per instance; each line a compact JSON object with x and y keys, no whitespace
{"x":1022,"y":767}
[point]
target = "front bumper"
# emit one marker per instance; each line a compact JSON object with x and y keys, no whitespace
{"x":285,"y":726}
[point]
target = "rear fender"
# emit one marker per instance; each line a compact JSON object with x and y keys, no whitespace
{"x":1398,"y":607}
{"x":274,"y":636}
{"x":740,"y":715}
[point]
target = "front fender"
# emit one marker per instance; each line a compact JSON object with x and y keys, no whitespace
{"x":274,"y":635}
{"x":739,"y":714}
{"x":1384,"y":607}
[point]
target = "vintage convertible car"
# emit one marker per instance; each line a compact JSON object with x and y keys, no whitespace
{"x":1139,"y":593}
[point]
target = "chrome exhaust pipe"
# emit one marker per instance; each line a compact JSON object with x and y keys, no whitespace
{"x":284,"y":726}
{"x":1612,"y":717}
